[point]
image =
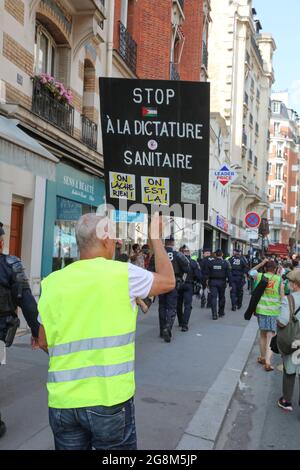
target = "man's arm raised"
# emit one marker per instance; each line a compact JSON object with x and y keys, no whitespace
{"x":164,"y":278}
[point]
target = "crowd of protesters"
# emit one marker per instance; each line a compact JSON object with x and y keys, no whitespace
{"x":91,"y":363}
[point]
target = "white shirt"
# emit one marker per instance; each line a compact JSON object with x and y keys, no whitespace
{"x":140,"y":283}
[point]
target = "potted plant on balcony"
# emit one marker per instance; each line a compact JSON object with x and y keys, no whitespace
{"x":55,"y":89}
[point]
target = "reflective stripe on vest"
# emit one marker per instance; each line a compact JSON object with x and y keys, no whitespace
{"x":92,"y":343}
{"x":269,"y":300}
{"x":88,"y":372}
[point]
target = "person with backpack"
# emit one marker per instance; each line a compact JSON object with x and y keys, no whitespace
{"x":268,"y":308}
{"x":288,"y":333}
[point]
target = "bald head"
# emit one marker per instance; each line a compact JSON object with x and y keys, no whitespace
{"x":95,"y":237}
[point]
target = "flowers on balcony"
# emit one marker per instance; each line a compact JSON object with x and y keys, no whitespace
{"x":55,"y":88}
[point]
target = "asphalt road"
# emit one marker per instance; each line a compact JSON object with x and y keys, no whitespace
{"x":171,"y":380}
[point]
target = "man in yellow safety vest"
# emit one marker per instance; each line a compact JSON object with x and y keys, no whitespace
{"x":88,"y":321}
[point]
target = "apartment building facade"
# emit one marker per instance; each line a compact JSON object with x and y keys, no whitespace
{"x":163,"y":40}
{"x":283,"y":170}
{"x":73,"y":43}
{"x":241,"y":77}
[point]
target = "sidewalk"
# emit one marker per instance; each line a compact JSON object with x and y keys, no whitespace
{"x":254,"y":421}
{"x":172,"y":381}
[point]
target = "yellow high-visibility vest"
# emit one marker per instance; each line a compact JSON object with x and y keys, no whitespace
{"x":270,"y":301}
{"x":90,"y":328}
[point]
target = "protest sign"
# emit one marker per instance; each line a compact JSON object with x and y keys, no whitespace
{"x":155,"y":141}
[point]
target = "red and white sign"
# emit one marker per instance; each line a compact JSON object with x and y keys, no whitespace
{"x":225,"y":175}
{"x":252,"y":220}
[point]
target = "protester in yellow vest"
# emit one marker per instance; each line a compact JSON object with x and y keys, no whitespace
{"x":88,"y":322}
{"x":268,"y":309}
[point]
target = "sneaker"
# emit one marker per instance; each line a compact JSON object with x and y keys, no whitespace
{"x":2,"y":428}
{"x":166,"y":335}
{"x":282,"y":403}
{"x":233,"y":309}
{"x":185,"y":328}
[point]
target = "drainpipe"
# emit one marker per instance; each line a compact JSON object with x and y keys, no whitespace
{"x":110,"y":39}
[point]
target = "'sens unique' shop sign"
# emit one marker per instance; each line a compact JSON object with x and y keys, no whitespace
{"x":155,"y":141}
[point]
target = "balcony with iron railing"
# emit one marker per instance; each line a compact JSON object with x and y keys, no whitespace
{"x":247,"y":58}
{"x":89,"y":134}
{"x":174,"y":74}
{"x":181,"y":3}
{"x":127,"y":47}
{"x":204,"y":55}
{"x":49,"y":108}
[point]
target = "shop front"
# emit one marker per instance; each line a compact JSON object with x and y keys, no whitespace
{"x":239,"y":239}
{"x":216,"y":233}
{"x":25,"y":166}
{"x":73,"y":194}
{"x":222,"y":237}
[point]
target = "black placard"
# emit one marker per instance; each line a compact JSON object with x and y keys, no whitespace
{"x":157,"y":133}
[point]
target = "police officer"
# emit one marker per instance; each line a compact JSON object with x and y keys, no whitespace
{"x":14,"y":292}
{"x":217,"y":272}
{"x":207,"y":258}
{"x":186,"y":291}
{"x":167,"y":306}
{"x":239,"y":267}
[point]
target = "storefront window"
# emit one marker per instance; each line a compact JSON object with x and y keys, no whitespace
{"x":64,"y":247}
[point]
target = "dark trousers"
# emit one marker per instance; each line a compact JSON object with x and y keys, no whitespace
{"x":217,"y":290}
{"x":204,"y":300}
{"x":288,"y":385}
{"x":95,"y":427}
{"x":237,"y":291}
{"x":3,"y":328}
{"x":167,"y":308}
{"x":185,"y":298}
{"x":2,"y":334}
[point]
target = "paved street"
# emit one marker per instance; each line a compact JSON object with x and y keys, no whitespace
{"x":254,"y":420}
{"x":172,"y":379}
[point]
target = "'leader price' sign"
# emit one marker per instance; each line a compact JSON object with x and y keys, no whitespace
{"x":155,"y":141}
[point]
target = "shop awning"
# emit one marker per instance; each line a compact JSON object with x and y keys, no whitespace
{"x":18,"y":149}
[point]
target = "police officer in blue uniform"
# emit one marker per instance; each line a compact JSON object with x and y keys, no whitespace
{"x":218,"y":272}
{"x":186,"y":291}
{"x":167,"y":306}
{"x":14,"y":292}
{"x":239,"y":268}
{"x":207,"y":258}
